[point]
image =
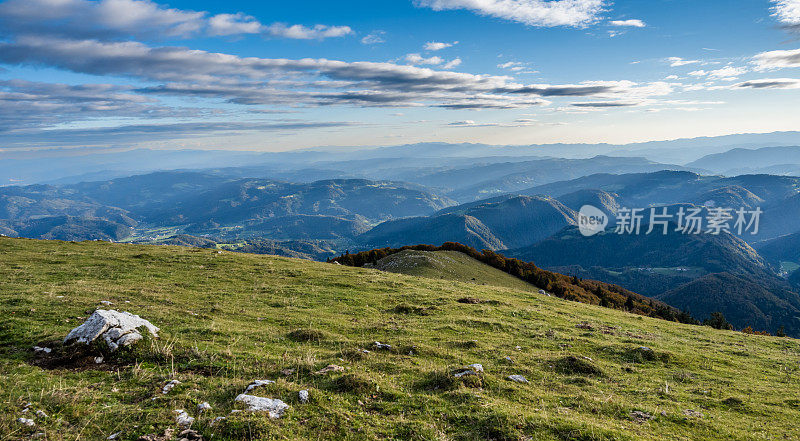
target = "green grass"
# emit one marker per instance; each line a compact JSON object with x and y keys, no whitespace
{"x":450,"y":265}
{"x":227,"y":319}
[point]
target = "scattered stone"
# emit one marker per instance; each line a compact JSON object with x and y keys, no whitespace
{"x":693,"y":413}
{"x":464,"y":373}
{"x":379,"y":345}
{"x":276,"y":408}
{"x":641,"y":417}
{"x":41,"y":350}
{"x":168,"y":387}
{"x":544,"y":293}
{"x":106,"y":302}
{"x":41,"y":414}
{"x":585,"y":325}
{"x":508,"y":359}
{"x":116,"y":328}
{"x":476,"y":367}
{"x":329,"y":368}
{"x":518,"y":379}
{"x":114,"y":435}
{"x":303,"y":396}
{"x":258,"y":383}
{"x":217,"y":420}
{"x":98,"y":360}
{"x":26,"y":422}
{"x":204,"y":406}
{"x":183,"y":419}
{"x":189,"y":435}
{"x":519,"y":348}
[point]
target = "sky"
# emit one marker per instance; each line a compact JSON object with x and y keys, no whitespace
{"x":94,"y":75}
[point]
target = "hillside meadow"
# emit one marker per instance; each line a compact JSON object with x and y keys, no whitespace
{"x":227,"y":319}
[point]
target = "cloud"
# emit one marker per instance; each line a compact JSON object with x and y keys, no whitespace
{"x":727,"y":73}
{"x":540,"y":13}
{"x":419,"y":59}
{"x":678,"y":62}
{"x":635,"y":23}
{"x":777,"y":59}
{"x":452,"y":64}
{"x":437,"y":46}
{"x":787,"y":11}
{"x":770,"y":83}
{"x":119,"y":19}
{"x":606,"y":104}
{"x":375,"y":37}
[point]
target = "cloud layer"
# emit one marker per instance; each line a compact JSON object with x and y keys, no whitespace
{"x":575,"y":13}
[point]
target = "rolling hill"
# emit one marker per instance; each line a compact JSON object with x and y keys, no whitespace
{"x":228,"y":319}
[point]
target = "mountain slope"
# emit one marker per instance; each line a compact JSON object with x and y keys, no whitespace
{"x":496,"y":224}
{"x":449,"y":265}
{"x":741,"y":161}
{"x":228,"y":319}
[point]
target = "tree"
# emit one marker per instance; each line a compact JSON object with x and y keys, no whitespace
{"x":718,"y":321}
{"x":781,"y":332}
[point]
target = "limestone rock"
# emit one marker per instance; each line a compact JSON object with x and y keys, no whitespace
{"x":518,"y":379}
{"x":303,"y":396}
{"x":258,"y":383}
{"x":116,"y":328}
{"x":275,"y":408}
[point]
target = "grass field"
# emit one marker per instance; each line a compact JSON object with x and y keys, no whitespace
{"x":450,"y":265}
{"x":227,"y":319}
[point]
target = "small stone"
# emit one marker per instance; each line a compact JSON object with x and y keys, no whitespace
{"x":693,"y":413}
{"x":519,"y":348}
{"x":258,"y":383}
{"x":98,"y":360}
{"x":168,"y":387}
{"x":379,"y":345}
{"x":275,"y":408}
{"x":641,"y":417}
{"x":114,"y":435}
{"x":464,"y":373}
{"x":106,"y":302}
{"x":329,"y":368}
{"x":585,"y":325}
{"x":476,"y":367}
{"x":303,"y":396}
{"x":202,"y":407}
{"x":183,"y":419}
{"x":41,"y":350}
{"x":216,"y":420}
{"x":41,"y":414}
{"x":508,"y":359}
{"x":26,"y":422}
{"x":518,"y":379}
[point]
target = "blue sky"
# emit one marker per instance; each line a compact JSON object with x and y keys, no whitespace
{"x":86,"y":74}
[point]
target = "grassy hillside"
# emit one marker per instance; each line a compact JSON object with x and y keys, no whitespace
{"x":450,"y":265}
{"x":227,"y":319}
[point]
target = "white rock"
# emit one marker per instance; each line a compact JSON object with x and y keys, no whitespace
{"x":303,"y":396}
{"x":98,"y":360}
{"x":116,"y":328}
{"x":203,"y":407}
{"x":168,"y":387}
{"x":26,"y":422}
{"x":380,"y":345}
{"x":464,"y":373}
{"x":106,"y":302}
{"x":41,"y":350}
{"x":41,"y":414}
{"x":518,"y":378}
{"x":258,"y":383}
{"x":476,"y":367}
{"x":275,"y":408}
{"x":183,"y":419}
{"x":217,"y":420}
{"x":114,"y":435}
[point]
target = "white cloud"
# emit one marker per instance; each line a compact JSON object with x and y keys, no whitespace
{"x":787,"y":11}
{"x":678,"y":61}
{"x":728,"y":72}
{"x":629,"y":23}
{"x":576,"y":13}
{"x":452,"y":64}
{"x":672,"y":77}
{"x":419,"y":59}
{"x":777,"y":59}
{"x":119,"y":19}
{"x":437,"y":45}
{"x":375,"y":37}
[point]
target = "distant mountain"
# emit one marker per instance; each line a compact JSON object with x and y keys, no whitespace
{"x":496,"y":224}
{"x":780,"y":249}
{"x":746,"y":161}
{"x":743,"y":301}
{"x":66,"y":228}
